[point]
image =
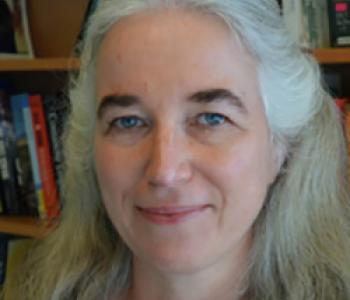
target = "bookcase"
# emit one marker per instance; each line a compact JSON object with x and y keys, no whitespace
{"x":54,"y":27}
{"x":41,"y":75}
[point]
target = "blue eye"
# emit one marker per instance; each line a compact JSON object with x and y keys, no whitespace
{"x":128,"y":122}
{"x":211,"y":119}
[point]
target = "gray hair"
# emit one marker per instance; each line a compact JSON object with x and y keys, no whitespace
{"x":301,"y":237}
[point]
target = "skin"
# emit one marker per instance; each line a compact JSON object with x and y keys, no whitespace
{"x":177,"y":152}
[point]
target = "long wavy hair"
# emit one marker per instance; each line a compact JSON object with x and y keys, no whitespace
{"x":301,"y":246}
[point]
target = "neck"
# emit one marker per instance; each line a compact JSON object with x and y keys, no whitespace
{"x":221,"y":280}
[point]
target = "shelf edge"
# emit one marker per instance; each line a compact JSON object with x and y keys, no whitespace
{"x":25,"y":226}
{"x":39,"y":64}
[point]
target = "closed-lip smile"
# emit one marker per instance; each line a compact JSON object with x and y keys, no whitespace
{"x":166,"y":215}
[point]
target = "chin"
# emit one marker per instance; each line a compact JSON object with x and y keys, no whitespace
{"x":175,"y":259}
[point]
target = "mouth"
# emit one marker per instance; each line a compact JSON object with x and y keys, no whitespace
{"x":171,"y":215}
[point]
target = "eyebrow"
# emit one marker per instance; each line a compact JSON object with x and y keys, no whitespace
{"x":205,"y":96}
{"x":116,"y":100}
{"x":219,"y":95}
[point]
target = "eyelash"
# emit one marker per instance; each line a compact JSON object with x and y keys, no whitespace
{"x":201,"y":120}
{"x":117,"y":122}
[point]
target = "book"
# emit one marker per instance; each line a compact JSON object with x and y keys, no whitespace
{"x":341,"y":104}
{"x":27,"y":116}
{"x":339,"y":20}
{"x":56,"y":109}
{"x":8,"y":174}
{"x":295,"y":22}
{"x":307,"y":22}
{"x":7,"y":167}
{"x":316,"y":16}
{"x":46,"y":170}
{"x":15,"y":38}
{"x":24,"y":165}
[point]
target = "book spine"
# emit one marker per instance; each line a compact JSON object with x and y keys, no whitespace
{"x":26,"y":183}
{"x":46,"y":170}
{"x":8,"y":158}
{"x":54,"y":116}
{"x":316,"y":18}
{"x":34,"y":158}
{"x":295,"y":21}
{"x":323,"y":20}
{"x":8,"y":176}
{"x":339,"y":22}
{"x":15,"y":32}
{"x":26,"y":29}
{"x":309,"y":11}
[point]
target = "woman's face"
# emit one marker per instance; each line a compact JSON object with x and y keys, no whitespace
{"x":183,"y":152}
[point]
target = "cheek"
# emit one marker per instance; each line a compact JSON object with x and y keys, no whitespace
{"x":115,"y":171}
{"x":243,"y":177}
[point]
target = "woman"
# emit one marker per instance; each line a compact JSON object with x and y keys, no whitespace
{"x":204,"y":160}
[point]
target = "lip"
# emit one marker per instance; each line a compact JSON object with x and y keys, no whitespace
{"x":171,"y":215}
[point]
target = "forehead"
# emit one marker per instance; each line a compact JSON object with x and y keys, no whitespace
{"x":167,"y":26}
{"x":173,"y":52}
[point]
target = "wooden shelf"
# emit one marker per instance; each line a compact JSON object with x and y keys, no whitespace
{"x":25,"y":226}
{"x":39,"y":64}
{"x":324,"y":56}
{"x":332,"y":55}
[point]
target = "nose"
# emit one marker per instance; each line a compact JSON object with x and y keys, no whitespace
{"x":169,"y":163}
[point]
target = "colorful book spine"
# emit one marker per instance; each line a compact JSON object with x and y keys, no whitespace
{"x":339,"y":20}
{"x":46,"y":169}
{"x":33,"y":157}
{"x":26,"y":184}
